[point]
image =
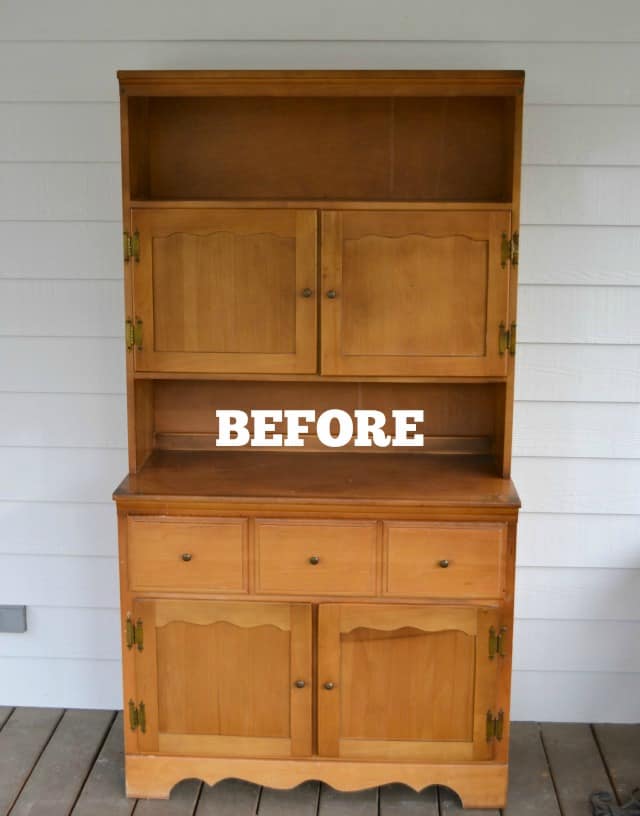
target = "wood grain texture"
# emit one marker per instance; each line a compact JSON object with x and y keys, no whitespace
{"x":576,"y":765}
{"x":103,"y":793}
{"x":184,"y":798}
{"x":531,"y":787}
{"x":22,"y":739}
{"x":398,"y":800}
{"x":620,"y":748}
{"x":300,"y":801}
{"x":65,"y":763}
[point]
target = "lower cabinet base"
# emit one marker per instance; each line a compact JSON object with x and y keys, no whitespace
{"x":478,"y":784}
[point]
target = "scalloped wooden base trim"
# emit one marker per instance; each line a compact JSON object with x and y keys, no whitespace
{"x":478,"y":784}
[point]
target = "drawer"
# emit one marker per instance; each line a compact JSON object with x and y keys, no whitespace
{"x":187,"y":554}
{"x":315,"y":557}
{"x":444,"y":560}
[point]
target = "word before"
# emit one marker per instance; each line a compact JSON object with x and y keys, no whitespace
{"x":334,"y":428}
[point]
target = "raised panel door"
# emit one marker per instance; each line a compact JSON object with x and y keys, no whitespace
{"x":410,"y":293}
{"x":405,"y":682}
{"x":224,"y":678}
{"x":225,"y":290}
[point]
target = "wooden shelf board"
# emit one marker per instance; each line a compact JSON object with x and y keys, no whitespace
{"x":461,"y":481}
{"x":317,"y":203}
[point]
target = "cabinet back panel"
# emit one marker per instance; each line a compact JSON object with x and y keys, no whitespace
{"x":377,"y":148}
{"x":458,"y":417}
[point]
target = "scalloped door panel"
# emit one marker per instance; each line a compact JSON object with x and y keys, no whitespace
{"x":403,"y":682}
{"x":225,"y":290}
{"x":220,"y":678}
{"x":414,"y":293}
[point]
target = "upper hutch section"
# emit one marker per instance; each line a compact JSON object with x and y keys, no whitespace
{"x":362,"y":136}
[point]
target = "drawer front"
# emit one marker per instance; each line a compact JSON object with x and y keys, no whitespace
{"x":315,"y":558}
{"x":444,"y":560}
{"x":195,"y":555}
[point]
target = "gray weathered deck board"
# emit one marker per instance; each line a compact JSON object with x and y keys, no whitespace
{"x":57,"y":778}
{"x":22,"y":740}
{"x":531,"y":791}
{"x":5,"y":712}
{"x":450,"y":806}
{"x":620,"y":746}
{"x":356,"y":803}
{"x":103,"y":793}
{"x":184,"y":798}
{"x":53,"y":763}
{"x":232,"y":797}
{"x":576,"y":766}
{"x":300,"y":801}
{"x":399,"y":800}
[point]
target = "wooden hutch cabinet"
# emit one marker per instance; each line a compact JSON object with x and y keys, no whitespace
{"x":308,"y":241}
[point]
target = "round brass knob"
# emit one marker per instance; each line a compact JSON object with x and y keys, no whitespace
{"x":307,"y":292}
{"x":444,"y":563}
{"x":329,"y":686}
{"x":314,"y":560}
{"x":299,"y":684}
{"x":331,"y":294}
{"x":186,"y":556}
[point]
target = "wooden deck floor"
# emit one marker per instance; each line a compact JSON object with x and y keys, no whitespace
{"x":55,"y":762}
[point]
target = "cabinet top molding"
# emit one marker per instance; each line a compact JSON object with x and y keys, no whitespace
{"x":321,"y":83}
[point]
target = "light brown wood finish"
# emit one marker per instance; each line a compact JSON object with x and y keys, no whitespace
{"x":188,"y":554}
{"x":223,"y":290}
{"x":444,"y":560}
{"x":315,"y":557}
{"x":415,"y":177}
{"x":201,"y":671}
{"x":430,"y":702}
{"x":421,"y":294}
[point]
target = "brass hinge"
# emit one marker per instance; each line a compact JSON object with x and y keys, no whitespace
{"x":131,"y":245}
{"x":496,"y":642}
{"x":510,"y":249}
{"x":137,"y":716}
{"x":507,"y":339}
{"x":134,"y":635}
{"x":133,"y":334}
{"x":495,"y":725}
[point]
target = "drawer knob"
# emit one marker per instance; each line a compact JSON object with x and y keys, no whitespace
{"x":329,"y":686}
{"x":314,"y":560}
{"x":306,"y":293}
{"x":444,"y":563}
{"x":186,"y":556}
{"x":299,"y":684}
{"x":331,"y":294}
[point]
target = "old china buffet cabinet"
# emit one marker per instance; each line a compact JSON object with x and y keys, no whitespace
{"x":313,"y":240}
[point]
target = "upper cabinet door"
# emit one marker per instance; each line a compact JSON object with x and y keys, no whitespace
{"x":222,"y":291}
{"x":414,"y":294}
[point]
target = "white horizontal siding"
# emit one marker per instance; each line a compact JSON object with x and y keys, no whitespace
{"x":62,"y":411}
{"x":492,"y":20}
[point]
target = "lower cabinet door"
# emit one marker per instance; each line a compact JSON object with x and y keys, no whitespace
{"x":400,"y":682}
{"x":223,"y":678}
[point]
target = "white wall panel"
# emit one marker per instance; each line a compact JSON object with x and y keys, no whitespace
{"x":577,"y":429}
{"x":58,"y":528}
{"x":596,"y":255}
{"x":56,"y":682}
{"x":61,"y":308}
{"x":568,"y":540}
{"x":63,"y":420}
{"x":577,"y":594}
{"x":491,"y":20}
{"x":41,"y":580}
{"x":85,"y":365}
{"x":575,"y":696}
{"x":61,"y":249}
{"x":590,"y":315}
{"x":576,"y":373}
